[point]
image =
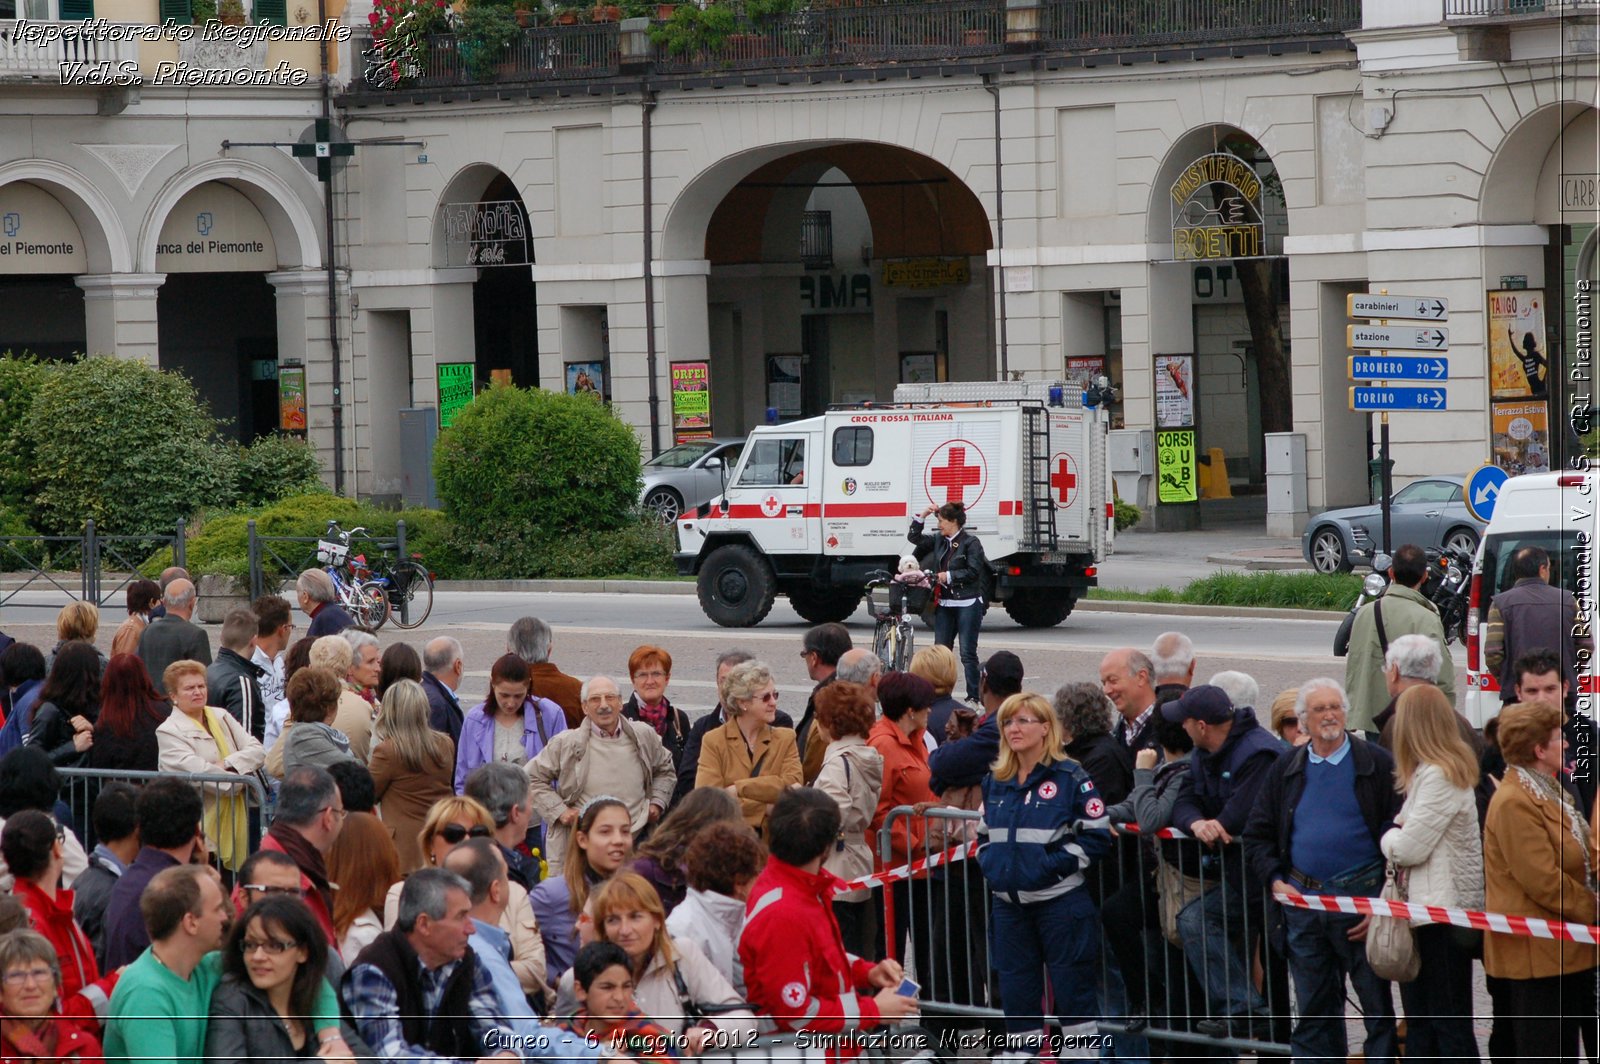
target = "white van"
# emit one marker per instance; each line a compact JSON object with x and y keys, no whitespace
{"x":1561,"y":513}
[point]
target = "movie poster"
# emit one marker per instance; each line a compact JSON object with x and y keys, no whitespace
{"x":1518,"y":368}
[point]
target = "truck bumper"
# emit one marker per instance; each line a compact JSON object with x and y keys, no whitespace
{"x":685,"y":561}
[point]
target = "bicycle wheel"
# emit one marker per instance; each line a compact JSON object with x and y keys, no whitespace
{"x":369,"y":605}
{"x":410,"y":594}
{"x":904,"y":645}
{"x":882,"y":638}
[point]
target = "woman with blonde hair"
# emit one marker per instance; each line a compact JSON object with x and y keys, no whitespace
{"x":363,"y":862}
{"x":747,"y":756}
{"x":670,"y":977}
{"x":354,"y":715}
{"x":1437,"y":847}
{"x":1285,"y":725}
{"x":1045,"y":826}
{"x":77,"y":622}
{"x":938,"y":665}
{"x":1537,"y":862}
{"x":410,"y":767}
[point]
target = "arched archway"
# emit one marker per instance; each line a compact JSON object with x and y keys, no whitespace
{"x":1219,"y":304}
{"x":835,"y":270}
{"x":482,"y":223}
{"x":56,"y":229}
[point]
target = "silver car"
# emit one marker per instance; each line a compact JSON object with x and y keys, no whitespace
{"x":689,"y":474}
{"x":1429,"y":512}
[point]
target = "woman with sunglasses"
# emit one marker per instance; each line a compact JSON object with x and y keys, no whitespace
{"x":449,"y":823}
{"x":1044,"y":826}
{"x":30,"y":1026}
{"x":273,"y":964}
{"x":748,"y":757}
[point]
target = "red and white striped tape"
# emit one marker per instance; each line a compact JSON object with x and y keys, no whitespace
{"x":915,"y":868}
{"x":1526,"y":926}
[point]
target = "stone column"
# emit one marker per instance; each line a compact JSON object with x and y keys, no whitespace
{"x":119,"y":312}
{"x":302,"y":306}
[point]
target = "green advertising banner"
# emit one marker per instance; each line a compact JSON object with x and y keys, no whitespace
{"x":455,"y":381}
{"x":691,"y":400}
{"x":1175,"y":466}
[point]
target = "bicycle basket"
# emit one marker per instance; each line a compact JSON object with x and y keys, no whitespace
{"x":330,"y":552}
{"x":917,"y":598}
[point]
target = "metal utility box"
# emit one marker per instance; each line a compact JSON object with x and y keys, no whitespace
{"x":419,"y":430}
{"x":1286,"y":484}
{"x":1133,"y":464}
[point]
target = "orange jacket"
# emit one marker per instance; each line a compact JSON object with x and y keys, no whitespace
{"x":905,"y":782}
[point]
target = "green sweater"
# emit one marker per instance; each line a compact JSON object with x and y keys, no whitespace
{"x":156,"y":1018}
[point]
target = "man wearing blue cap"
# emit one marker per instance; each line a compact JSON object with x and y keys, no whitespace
{"x":1232,"y":754}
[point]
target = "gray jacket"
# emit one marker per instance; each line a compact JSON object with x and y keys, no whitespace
{"x":310,"y":743}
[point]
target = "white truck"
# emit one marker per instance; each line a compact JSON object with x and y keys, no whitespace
{"x":815,"y":506}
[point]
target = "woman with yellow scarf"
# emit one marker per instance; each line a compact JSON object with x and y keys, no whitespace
{"x":197,"y":738}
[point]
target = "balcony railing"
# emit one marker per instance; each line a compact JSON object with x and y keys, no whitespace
{"x":52,"y":48}
{"x":885,"y":34}
{"x":1491,"y":8}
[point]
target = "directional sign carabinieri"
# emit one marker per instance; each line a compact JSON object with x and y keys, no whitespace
{"x":1399,"y":368}
{"x":1397,"y":337}
{"x":1416,"y":308}
{"x":1397,"y":399}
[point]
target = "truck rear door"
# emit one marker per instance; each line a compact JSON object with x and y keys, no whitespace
{"x":776,"y":494}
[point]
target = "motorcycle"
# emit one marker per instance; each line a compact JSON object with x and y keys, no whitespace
{"x":1446,"y":586}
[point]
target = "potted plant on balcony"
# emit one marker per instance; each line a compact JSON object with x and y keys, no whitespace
{"x":695,"y":31}
{"x":400,"y":31}
{"x":486,"y":30}
{"x":202,"y":11}
{"x":566,"y":14}
{"x":606,"y":13}
{"x":231,"y":12}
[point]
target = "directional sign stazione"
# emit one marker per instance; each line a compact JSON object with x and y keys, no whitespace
{"x":1418,"y":308}
{"x":1399,"y":368}
{"x":1397,"y":337}
{"x":1397,"y":399}
{"x":1483,"y":491}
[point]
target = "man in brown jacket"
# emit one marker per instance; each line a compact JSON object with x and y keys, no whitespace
{"x":529,"y":639}
{"x":1531,"y":615}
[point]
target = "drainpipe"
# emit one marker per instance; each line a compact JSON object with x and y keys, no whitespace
{"x":989,"y":83}
{"x":648,"y":104}
{"x":337,"y":410}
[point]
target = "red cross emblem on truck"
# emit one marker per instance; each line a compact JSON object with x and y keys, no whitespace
{"x":1063,"y":479}
{"x":955,"y":467}
{"x":772,"y":506}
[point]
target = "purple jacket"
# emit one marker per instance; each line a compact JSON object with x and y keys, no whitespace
{"x":477,"y":734}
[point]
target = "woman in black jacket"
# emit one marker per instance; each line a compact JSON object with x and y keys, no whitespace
{"x":961,"y":575}
{"x":69,"y":705}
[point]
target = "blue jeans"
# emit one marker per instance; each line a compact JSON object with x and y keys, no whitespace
{"x":1212,"y":929}
{"x":1321,"y":955}
{"x":1061,"y":936}
{"x":951,"y":621}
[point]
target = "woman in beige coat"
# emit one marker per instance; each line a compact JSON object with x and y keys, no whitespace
{"x":1436,"y":845}
{"x":747,"y":756}
{"x":410,"y":769}
{"x":197,"y":738}
{"x":852,"y":775}
{"x":1537,"y":862}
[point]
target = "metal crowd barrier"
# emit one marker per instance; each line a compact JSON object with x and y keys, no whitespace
{"x":225,"y":821}
{"x":1181,"y":941}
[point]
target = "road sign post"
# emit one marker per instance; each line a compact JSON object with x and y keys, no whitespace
{"x":1381,"y":367}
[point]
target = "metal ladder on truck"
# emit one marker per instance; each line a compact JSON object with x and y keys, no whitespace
{"x":1040,"y":522}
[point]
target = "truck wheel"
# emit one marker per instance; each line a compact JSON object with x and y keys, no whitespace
{"x":1040,"y":609}
{"x":820,"y":607}
{"x":736,"y":587}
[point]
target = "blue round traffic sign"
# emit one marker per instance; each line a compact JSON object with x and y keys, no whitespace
{"x":1483,"y":491}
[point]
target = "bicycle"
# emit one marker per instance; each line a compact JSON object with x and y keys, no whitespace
{"x":407,"y":584}
{"x":366,"y":601}
{"x":894,"y":638}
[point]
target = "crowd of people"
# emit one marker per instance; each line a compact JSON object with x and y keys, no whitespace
{"x":324,"y":851}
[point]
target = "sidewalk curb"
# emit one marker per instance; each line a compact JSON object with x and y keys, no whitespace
{"x":673,"y":587}
{"x":1250,"y":564}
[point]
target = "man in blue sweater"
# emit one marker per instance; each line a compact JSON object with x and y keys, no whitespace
{"x":1232,"y":754}
{"x":964,"y":762}
{"x":1346,"y":787}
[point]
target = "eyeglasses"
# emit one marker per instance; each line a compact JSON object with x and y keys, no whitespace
{"x":454,"y":833}
{"x":19,"y":976}
{"x":275,"y":947}
{"x":1023,"y":720}
{"x":338,"y":810}
{"x":806,"y":654}
{"x":655,"y":674}
{"x":264,"y":889}
{"x":770,"y":696}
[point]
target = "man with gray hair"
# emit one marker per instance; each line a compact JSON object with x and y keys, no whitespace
{"x":443,"y":665}
{"x":1172,"y":662}
{"x":529,"y":639}
{"x":173,"y":637}
{"x":417,"y":992}
{"x":1413,"y":661}
{"x":1243,"y":691}
{"x":502,"y":788}
{"x":314,"y":591}
{"x":311,"y":814}
{"x":233,"y":681}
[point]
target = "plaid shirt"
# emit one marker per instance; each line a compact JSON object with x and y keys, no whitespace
{"x":375,"y":1006}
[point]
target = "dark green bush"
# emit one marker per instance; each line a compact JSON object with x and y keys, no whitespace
{"x":21,"y":378}
{"x":1126,"y":515}
{"x":640,"y":548}
{"x":16,"y":555}
{"x":274,"y":467}
{"x":125,"y":444}
{"x":533,"y":465}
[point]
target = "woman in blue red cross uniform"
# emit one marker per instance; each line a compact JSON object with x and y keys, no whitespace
{"x":1044,"y":825}
{"x":960,"y":575}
